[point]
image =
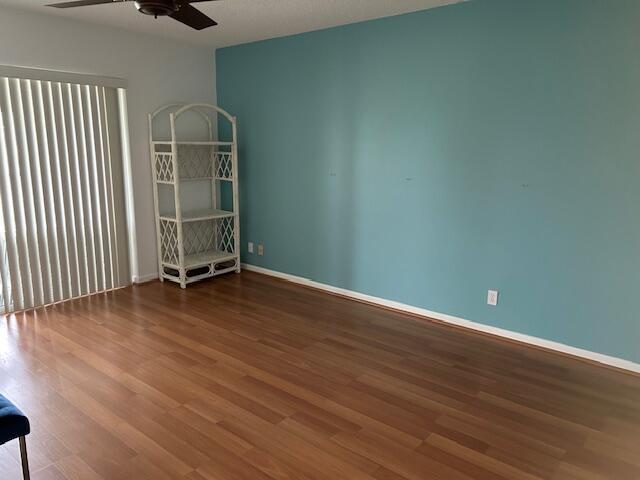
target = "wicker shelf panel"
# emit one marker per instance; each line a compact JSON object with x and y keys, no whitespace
{"x":169,"y":242}
{"x":195,"y":161}
{"x":164,"y":167}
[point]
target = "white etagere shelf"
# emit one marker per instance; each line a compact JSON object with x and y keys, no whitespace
{"x":202,"y":242}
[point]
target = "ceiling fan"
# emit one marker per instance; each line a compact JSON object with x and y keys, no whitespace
{"x":179,"y":10}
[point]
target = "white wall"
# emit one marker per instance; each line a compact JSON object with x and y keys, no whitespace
{"x":158,"y":72}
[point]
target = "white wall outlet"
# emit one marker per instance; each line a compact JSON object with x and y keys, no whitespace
{"x":492,"y":297}
{"x":250,"y":247}
{"x":261,"y":250}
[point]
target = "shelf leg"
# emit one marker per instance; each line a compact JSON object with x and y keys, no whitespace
{"x":183,"y":278}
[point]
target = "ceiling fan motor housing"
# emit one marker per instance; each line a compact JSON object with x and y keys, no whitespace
{"x":157,"y":8}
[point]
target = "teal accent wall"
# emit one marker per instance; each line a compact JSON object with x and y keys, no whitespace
{"x":429,"y":157}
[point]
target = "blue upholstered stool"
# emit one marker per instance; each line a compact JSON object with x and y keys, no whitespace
{"x":14,"y":424}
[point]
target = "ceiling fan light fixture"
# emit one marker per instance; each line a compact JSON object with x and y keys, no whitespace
{"x":157,"y":8}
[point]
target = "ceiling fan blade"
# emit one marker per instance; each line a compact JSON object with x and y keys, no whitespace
{"x":83,"y":3}
{"x":193,"y":17}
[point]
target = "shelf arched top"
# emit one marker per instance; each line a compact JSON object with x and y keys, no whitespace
{"x":198,"y":106}
{"x":180,"y":105}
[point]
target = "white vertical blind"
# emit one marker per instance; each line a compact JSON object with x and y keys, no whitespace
{"x":62,"y":216}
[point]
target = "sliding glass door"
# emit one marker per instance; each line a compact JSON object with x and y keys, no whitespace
{"x":62,"y":216}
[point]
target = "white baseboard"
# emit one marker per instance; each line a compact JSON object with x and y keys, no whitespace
{"x":145,"y":278}
{"x":443,"y":317}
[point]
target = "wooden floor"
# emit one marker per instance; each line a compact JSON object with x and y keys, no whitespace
{"x":248,"y":377}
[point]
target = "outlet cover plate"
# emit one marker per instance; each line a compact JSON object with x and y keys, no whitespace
{"x":492,"y":298}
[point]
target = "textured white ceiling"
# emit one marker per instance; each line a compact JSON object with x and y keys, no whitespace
{"x":240,"y":21}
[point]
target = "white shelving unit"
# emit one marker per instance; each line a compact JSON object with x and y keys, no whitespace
{"x":195,"y":243}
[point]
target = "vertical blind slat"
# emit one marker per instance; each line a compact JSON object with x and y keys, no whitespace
{"x":110,"y":192}
{"x":57,"y":247}
{"x":83,"y":161}
{"x":40,"y":235}
{"x":104,"y":188}
{"x":103,"y":234}
{"x":83,"y":182}
{"x":21,"y":270}
{"x":7,"y":245}
{"x":24,"y":171}
{"x":93,"y":200}
{"x":5,"y":279}
{"x":76,"y":189}
{"x":65,"y":186}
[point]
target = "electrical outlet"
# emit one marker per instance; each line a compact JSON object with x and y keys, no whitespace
{"x":492,"y":298}
{"x":261,"y":250}
{"x":250,"y":247}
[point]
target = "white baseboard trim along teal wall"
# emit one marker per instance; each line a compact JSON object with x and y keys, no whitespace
{"x":451,"y":320}
{"x":430,"y":157}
